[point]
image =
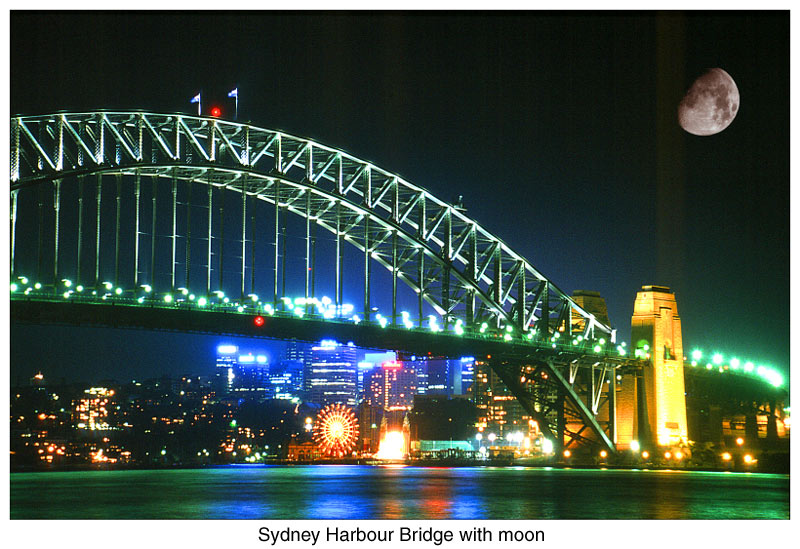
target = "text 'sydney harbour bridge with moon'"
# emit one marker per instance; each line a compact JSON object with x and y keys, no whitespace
{"x":90,"y":190}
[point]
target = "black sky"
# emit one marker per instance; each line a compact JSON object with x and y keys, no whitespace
{"x":559,"y":130}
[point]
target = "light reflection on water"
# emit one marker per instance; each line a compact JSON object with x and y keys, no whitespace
{"x":398,"y":492}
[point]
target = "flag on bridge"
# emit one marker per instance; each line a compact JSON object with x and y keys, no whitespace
{"x":196,"y":99}
{"x":235,"y":94}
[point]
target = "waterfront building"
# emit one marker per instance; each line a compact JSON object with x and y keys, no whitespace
{"x":92,"y":411}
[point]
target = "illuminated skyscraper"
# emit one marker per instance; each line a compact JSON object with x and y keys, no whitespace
{"x":467,"y":374}
{"x":400,"y":385}
{"x":333,"y":373}
{"x":374,"y":387}
{"x":240,"y":372}
{"x":300,"y":351}
{"x":224,"y":372}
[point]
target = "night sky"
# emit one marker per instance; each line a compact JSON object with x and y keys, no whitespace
{"x":559,"y":130}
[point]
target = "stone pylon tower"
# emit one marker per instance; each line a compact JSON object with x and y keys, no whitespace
{"x":656,"y":332}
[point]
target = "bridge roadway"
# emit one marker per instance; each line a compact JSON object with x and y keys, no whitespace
{"x":119,"y":313}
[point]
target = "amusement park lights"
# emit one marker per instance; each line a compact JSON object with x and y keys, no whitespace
{"x":336,"y":430}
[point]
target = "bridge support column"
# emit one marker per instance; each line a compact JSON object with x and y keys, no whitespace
{"x":244,"y":236}
{"x":174,"y":225}
{"x":338,"y":281}
{"x":253,"y":245}
{"x":40,"y":234}
{"x":137,"y":192}
{"x":188,"y":230}
{"x":308,"y":250}
{"x":14,"y":195}
{"x":421,"y":229}
{"x":421,"y":278}
{"x":57,"y":210}
{"x":210,"y":229}
{"x":116,"y":229}
{"x":275,"y":296}
{"x":446,"y":251}
{"x":154,"y":181}
{"x":366,"y":270}
{"x":221,"y":235}
{"x":394,"y":278}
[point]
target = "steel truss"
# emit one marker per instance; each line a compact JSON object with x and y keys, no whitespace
{"x":452,"y":262}
{"x":571,"y":396}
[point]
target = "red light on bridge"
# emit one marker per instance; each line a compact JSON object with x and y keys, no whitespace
{"x":258,"y":321}
{"x":215,"y":111}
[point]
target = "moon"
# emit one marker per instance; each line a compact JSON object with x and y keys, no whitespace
{"x":710,"y":105}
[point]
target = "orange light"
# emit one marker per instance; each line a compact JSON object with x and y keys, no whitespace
{"x":726,"y":456}
{"x":215,"y":111}
{"x":667,"y":455}
{"x":678,"y":455}
{"x":748,"y":458}
{"x":567,"y":453}
{"x":740,"y":441}
{"x":645,"y":454}
{"x":603,"y":453}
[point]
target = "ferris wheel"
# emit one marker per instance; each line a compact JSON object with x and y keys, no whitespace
{"x":336,"y":430}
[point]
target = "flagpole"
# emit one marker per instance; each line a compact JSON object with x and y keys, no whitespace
{"x":236,"y":116}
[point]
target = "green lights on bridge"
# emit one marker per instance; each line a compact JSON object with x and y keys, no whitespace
{"x":324,"y":309}
{"x":735,"y":365}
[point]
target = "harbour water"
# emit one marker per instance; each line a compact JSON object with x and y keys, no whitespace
{"x":397,"y":492}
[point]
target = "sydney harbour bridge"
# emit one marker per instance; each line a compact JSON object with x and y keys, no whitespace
{"x":197,"y":224}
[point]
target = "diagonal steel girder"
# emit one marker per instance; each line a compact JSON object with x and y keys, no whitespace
{"x":510,"y":376}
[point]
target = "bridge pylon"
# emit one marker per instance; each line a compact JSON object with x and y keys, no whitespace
{"x":661,"y":401}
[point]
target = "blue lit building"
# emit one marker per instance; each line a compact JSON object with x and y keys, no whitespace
{"x":333,"y":376}
{"x":286,"y":380}
{"x":240,"y":373}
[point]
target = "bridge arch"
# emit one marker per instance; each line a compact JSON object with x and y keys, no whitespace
{"x":450,"y":261}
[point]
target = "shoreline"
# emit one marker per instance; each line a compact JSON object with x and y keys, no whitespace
{"x":399,"y":463}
